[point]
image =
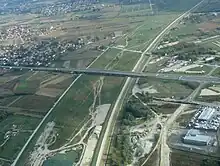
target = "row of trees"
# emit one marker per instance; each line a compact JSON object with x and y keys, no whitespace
{"x":122,"y":151}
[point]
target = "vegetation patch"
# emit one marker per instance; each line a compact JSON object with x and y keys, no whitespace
{"x":169,"y":89}
{"x":26,"y":87}
{"x":184,"y":119}
{"x":35,"y":102}
{"x":65,"y":159}
{"x":186,"y":158}
{"x":15,"y":131}
{"x":165,"y":108}
{"x":133,"y":113}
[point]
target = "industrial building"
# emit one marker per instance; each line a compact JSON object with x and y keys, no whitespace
{"x":194,"y":137}
{"x":206,"y":114}
{"x":206,"y":118}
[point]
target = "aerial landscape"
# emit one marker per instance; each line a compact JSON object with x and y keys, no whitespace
{"x":110,"y":83}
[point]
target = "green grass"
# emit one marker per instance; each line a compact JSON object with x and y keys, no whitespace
{"x":41,"y":76}
{"x":77,"y":101}
{"x":211,"y":45}
{"x":165,"y":108}
{"x":190,"y":158}
{"x":168,"y":88}
{"x":15,"y":143}
{"x":7,"y":100}
{"x":186,"y":30}
{"x":134,"y":7}
{"x":184,"y":119}
{"x":40,"y":103}
{"x":209,"y":99}
{"x":11,"y":149}
{"x":152,"y":26}
{"x":216,"y":73}
{"x":204,"y":68}
{"x":110,"y":89}
{"x":63,"y":84}
{"x":105,"y":58}
{"x":26,"y":87}
{"x":176,"y":5}
{"x":127,"y":61}
{"x":22,"y":122}
{"x":72,"y":111}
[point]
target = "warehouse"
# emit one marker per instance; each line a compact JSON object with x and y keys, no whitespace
{"x":194,"y":137}
{"x":206,"y":114}
{"x":206,"y":118}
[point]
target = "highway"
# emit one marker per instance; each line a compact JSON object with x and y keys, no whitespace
{"x":120,"y":100}
{"x":133,"y":74}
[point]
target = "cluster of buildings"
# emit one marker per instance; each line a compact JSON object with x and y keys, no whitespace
{"x":48,"y":9}
{"x":64,"y":8}
{"x":52,"y":10}
{"x":36,"y":54}
{"x":173,"y":64}
{"x":22,"y":32}
{"x":206,"y":119}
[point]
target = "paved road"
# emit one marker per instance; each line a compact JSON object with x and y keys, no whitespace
{"x":119,"y":102}
{"x":165,"y":150}
{"x":133,"y":74}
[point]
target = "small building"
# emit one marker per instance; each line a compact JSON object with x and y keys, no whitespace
{"x":209,"y":59}
{"x":194,"y":137}
{"x":118,"y":33}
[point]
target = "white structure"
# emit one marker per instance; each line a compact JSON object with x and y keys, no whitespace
{"x":194,"y":137}
{"x":206,"y":114}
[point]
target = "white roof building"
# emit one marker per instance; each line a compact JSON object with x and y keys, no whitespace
{"x":206,"y":114}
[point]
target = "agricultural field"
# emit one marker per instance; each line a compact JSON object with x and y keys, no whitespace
{"x":26,"y":87}
{"x":15,"y":131}
{"x":211,"y":5}
{"x":77,"y":105}
{"x":183,"y":158}
{"x":166,"y":89}
{"x":141,"y":37}
{"x":182,"y":51}
{"x":164,"y":108}
{"x":196,"y":28}
{"x":63,"y":159}
{"x":172,"y":5}
{"x":103,"y":35}
{"x":210,"y":93}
